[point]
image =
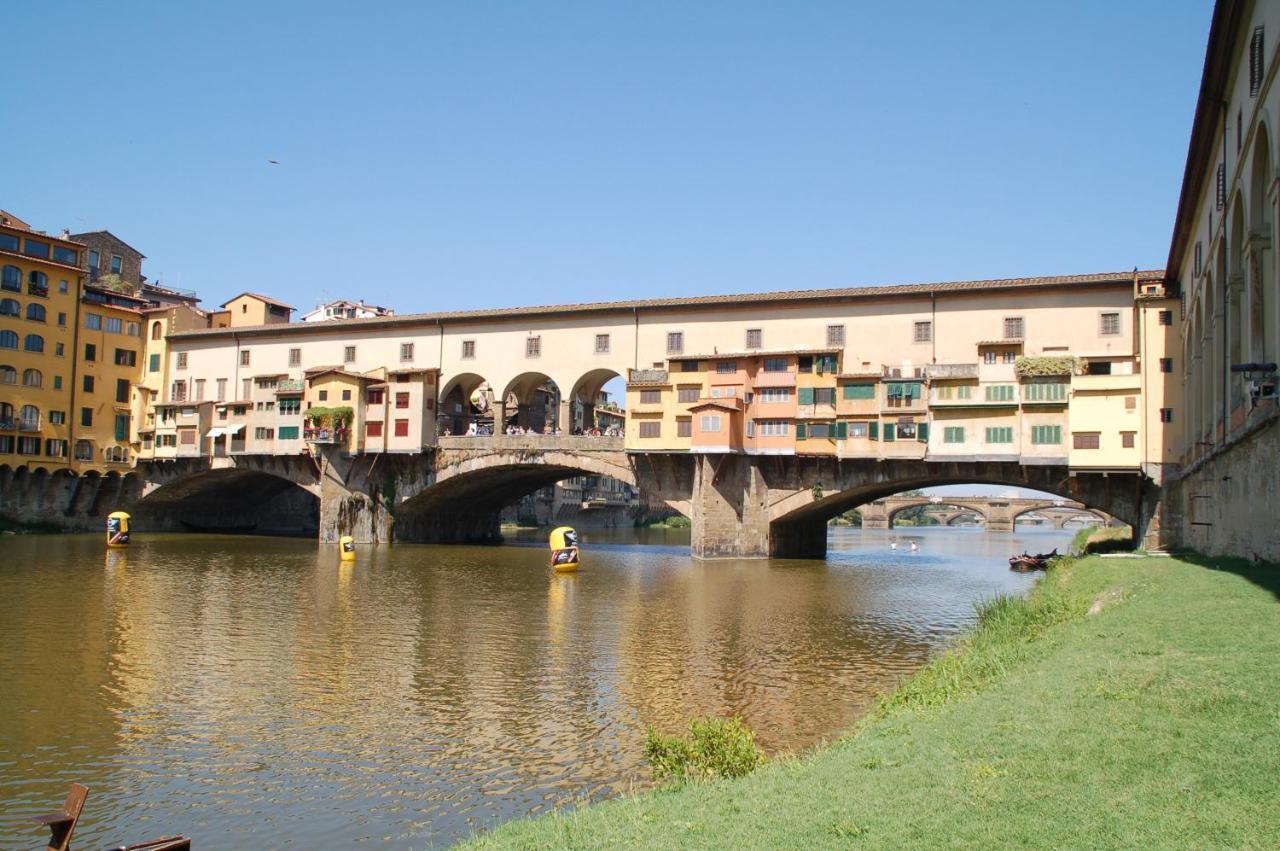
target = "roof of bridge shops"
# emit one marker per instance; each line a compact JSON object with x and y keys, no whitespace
{"x":780,"y":297}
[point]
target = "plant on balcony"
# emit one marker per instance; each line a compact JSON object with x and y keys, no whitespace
{"x":330,"y":417}
{"x":1027,"y":366}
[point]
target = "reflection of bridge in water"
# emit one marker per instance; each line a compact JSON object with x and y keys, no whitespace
{"x":998,"y":514}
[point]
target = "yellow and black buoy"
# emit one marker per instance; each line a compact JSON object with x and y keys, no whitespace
{"x":118,"y":529}
{"x":564,"y":549}
{"x":347,"y":548}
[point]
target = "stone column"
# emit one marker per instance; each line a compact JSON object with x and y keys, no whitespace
{"x":349,"y":505}
{"x":728,"y":509}
{"x":875,"y":515}
{"x":999,"y":517}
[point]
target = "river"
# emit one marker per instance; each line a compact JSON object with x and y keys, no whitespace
{"x":256,"y":691}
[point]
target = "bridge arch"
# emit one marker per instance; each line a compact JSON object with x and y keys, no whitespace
{"x":454,"y":409}
{"x":280,"y":497}
{"x":585,"y":391}
{"x":941,"y":502}
{"x":1053,"y":506}
{"x":531,"y":400}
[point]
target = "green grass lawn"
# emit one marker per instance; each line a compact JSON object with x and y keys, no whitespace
{"x":1129,"y":703}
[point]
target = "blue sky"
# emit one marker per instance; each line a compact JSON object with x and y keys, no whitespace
{"x":450,"y":156}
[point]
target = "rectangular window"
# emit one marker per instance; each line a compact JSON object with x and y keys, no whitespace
{"x":244,"y":357}
{"x":1045,"y":392}
{"x":953,"y":434}
{"x":182,"y":359}
{"x":1166,"y":364}
{"x":95,"y":259}
{"x":1166,"y":415}
{"x":820,"y":431}
{"x":653,"y":397}
{"x":295,"y":357}
{"x":775,"y":395}
{"x":55,"y":448}
{"x":32,"y":248}
{"x":824,"y":395}
{"x":685,"y":394}
{"x":533,"y":347}
{"x":122,"y":427}
{"x":373,"y":428}
{"x":112,"y":325}
{"x":132,"y":329}
{"x":859,"y":392}
{"x":726,"y":367}
{"x":62,"y":254}
{"x":690,"y":365}
{"x":988,"y":356}
{"x":222,"y":389}
{"x":322,"y":395}
{"x":999,"y":434}
{"x":178,"y":391}
{"x":402,"y":401}
{"x":773,"y":428}
{"x":86,"y":417}
{"x":999,"y":392}
{"x":1110,"y":324}
{"x":755,"y":338}
{"x":199,"y":387}
{"x":287,"y":432}
{"x":57,"y":382}
{"x":62,"y":319}
{"x":117,"y":264}
{"x":87,"y":383}
{"x":289,"y":407}
{"x":1085,"y":440}
{"x":835,"y":335}
{"x":349,"y":354}
{"x":602,"y":344}
{"x":29,"y":446}
{"x":263,"y":433}
{"x":122,"y":390}
{"x":402,"y":428}
{"x":1130,"y":403}
{"x":709,"y":423}
{"x":126,"y":357}
{"x":468,"y":349}
{"x":675,"y":342}
{"x":57,"y":417}
{"x":890,"y":432}
{"x":776,"y":364}
{"x":858,"y":430}
{"x":1166,"y":317}
{"x":406,"y":352}
{"x":1127,"y":439}
{"x":923,"y":332}
{"x":684,"y":428}
{"x":246,"y":388}
{"x":943,"y":392}
{"x":651,"y":428}
{"x":90,"y":352}
{"x":1257,"y":61}
{"x":374,"y":396}
{"x":1046,"y":434}
{"x":346,"y":395}
{"x":1013,"y":328}
{"x":153,"y":363}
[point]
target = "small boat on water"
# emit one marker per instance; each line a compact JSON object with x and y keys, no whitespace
{"x":1027,"y":562}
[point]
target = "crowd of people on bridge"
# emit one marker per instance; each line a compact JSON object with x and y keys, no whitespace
{"x":475,"y":429}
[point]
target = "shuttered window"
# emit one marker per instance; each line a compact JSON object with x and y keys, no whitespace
{"x":999,"y":393}
{"x":999,"y":434}
{"x":953,"y":434}
{"x":1046,"y":434}
{"x":651,"y":428}
{"x":1256,"y":59}
{"x":855,"y":392}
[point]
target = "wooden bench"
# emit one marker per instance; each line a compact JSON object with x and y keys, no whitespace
{"x":62,"y":824}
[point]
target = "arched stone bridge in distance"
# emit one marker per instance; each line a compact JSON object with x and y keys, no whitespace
{"x":1000,"y":514}
{"x":739,"y":506}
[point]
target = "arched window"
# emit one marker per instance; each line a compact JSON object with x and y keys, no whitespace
{"x":29,"y":419}
{"x":8,"y":340}
{"x":157,"y":330}
{"x":35,"y":312}
{"x":38,"y":283}
{"x":8,"y":375}
{"x":10,"y":307}
{"x":32,"y":378}
{"x":33,"y":343}
{"x":11,"y":279}
{"x":116,"y":454}
{"x":84,"y":450}
{"x":6,"y":415}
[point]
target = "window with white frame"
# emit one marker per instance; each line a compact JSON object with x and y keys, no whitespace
{"x":710,"y":423}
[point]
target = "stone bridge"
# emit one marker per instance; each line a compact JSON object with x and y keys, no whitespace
{"x":740,"y":506}
{"x":999,"y":514}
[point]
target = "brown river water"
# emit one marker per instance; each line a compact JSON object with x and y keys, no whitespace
{"x":256,"y":691}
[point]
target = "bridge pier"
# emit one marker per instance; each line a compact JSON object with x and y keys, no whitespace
{"x":729,"y":513}
{"x":350,"y":501}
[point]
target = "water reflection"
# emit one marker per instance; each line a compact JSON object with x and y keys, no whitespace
{"x":219,"y":686}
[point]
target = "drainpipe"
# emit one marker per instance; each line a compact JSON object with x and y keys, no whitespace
{"x":635,"y":339}
{"x":74,"y":412}
{"x":1226,"y":286}
{"x":933,"y":325}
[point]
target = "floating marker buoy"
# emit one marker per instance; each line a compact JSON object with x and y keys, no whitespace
{"x":564,"y":549}
{"x":347,"y":548}
{"x":118,"y":529}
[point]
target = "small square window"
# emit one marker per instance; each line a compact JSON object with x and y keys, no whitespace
{"x":1166,"y":317}
{"x":1013,"y":328}
{"x":835,"y":335}
{"x":468,"y":349}
{"x":755,"y":338}
{"x":295,"y":357}
{"x":244,"y":357}
{"x":1166,"y":415}
{"x":349,"y":354}
{"x":182,"y":359}
{"x":1127,"y":439}
{"x":923,"y":332}
{"x":533,"y":347}
{"x":406,"y":352}
{"x":675,"y":342}
{"x":602,"y":344}
{"x":1110,"y":324}
{"x":1166,"y":364}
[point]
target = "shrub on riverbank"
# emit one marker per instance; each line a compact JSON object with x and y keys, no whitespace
{"x":1104,"y":539}
{"x":715,"y":747}
{"x":1125,"y":703}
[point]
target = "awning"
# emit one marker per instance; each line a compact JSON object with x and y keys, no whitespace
{"x":234,"y":430}
{"x":216,"y":432}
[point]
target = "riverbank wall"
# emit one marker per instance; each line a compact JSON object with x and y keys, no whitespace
{"x":1125,"y":703}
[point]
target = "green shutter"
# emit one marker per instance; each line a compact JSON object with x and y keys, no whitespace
{"x":154,"y":364}
{"x":874,"y":431}
{"x":842,"y":431}
{"x":800,"y":431}
{"x":287,"y":433}
{"x":890,"y":432}
{"x":122,"y":427}
{"x":922,"y":432}
{"x":848,"y":391}
{"x":859,"y":391}
{"x":805,"y":395}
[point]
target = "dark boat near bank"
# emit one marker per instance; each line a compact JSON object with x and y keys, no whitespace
{"x":1027,"y":562}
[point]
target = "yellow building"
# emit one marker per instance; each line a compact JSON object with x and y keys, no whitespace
{"x":108,"y":363}
{"x":40,"y":281}
{"x":251,"y":309}
{"x":153,"y":376}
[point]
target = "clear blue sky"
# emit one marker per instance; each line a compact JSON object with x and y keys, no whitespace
{"x":458,"y":155}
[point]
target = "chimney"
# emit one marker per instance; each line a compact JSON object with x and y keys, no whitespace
{"x":66,"y":234}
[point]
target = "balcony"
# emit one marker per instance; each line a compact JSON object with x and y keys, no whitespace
{"x":288,"y":386}
{"x":28,"y":425}
{"x":951,"y":370}
{"x":325,"y":435}
{"x":8,"y":424}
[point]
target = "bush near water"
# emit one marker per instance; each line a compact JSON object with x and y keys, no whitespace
{"x":715,"y":747}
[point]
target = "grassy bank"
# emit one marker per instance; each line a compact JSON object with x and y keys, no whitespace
{"x":1126,"y":703}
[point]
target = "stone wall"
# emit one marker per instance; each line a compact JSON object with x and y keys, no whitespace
{"x":1229,"y":503}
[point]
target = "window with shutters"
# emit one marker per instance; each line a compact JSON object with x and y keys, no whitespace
{"x":890,"y":432}
{"x":686,"y":394}
{"x":1128,"y":439}
{"x":651,"y":428}
{"x":1013,"y":328}
{"x":653,"y":397}
{"x":923,"y":332}
{"x":858,"y":430}
{"x":709,"y":423}
{"x":859,"y":392}
{"x":684,"y":428}
{"x":999,"y":434}
{"x":1199,"y":263}
{"x":999,"y":393}
{"x":1166,"y":415}
{"x":1086,"y":440}
{"x":1256,"y":59}
{"x":1166,"y":317}
{"x":402,"y":401}
{"x":964,"y":391}
{"x":1046,"y":434}
{"x":675,"y":342}
{"x":1166,"y":364}
{"x":402,"y":428}
{"x":373,"y":428}
{"x":1222,"y":185}
{"x":907,"y":431}
{"x":989,"y":356}
{"x":1045,"y":392}
{"x":755,"y":338}
{"x":1110,"y":324}
{"x":953,"y":434}
{"x":835,"y":335}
